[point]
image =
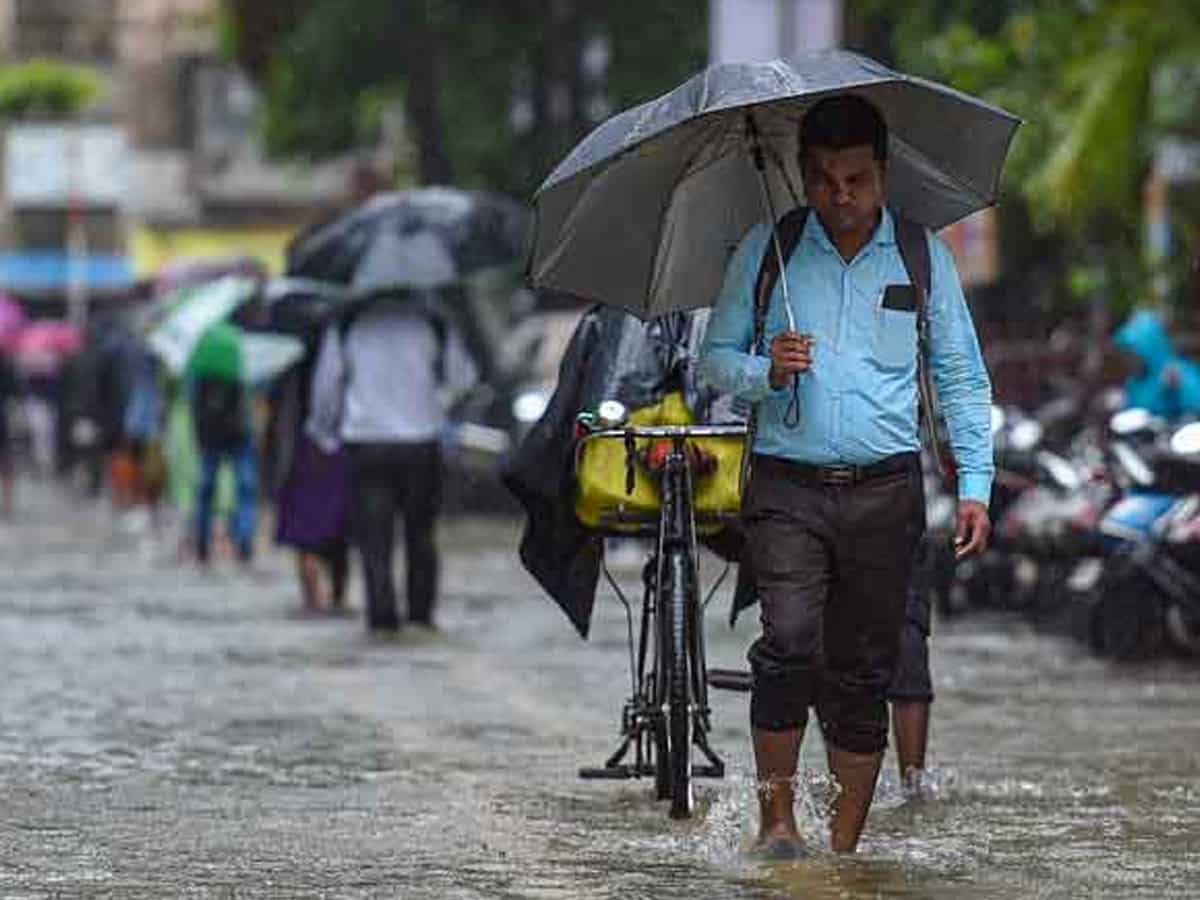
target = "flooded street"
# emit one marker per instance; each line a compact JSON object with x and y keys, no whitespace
{"x":165,"y":732}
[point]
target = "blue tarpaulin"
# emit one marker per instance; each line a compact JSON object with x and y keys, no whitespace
{"x":47,"y":270}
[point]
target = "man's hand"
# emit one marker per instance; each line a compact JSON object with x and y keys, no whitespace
{"x":791,"y":354}
{"x":972,"y":530}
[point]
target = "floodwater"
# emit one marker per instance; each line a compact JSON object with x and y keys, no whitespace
{"x":166,"y":733}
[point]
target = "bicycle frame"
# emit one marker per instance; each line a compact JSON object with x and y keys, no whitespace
{"x":668,"y":712}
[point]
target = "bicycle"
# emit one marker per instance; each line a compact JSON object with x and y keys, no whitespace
{"x":667,"y":714}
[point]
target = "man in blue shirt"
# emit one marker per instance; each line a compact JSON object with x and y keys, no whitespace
{"x":834,"y":508}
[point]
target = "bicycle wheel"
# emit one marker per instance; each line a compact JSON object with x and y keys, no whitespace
{"x":675,"y":665}
{"x":662,"y":759}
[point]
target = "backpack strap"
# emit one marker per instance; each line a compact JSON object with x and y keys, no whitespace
{"x":790,"y":228}
{"x":913,"y":244}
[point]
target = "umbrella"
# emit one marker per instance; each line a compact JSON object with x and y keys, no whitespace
{"x":644,"y":212}
{"x":301,"y":306}
{"x":419,"y":238}
{"x":192,"y":313}
{"x":40,"y":347}
{"x":188,"y":272}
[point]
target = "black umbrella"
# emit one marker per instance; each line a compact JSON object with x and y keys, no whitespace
{"x":644,"y":212}
{"x":419,"y":238}
{"x":300,"y":306}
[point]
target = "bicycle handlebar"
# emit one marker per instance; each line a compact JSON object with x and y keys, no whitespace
{"x":671,"y":431}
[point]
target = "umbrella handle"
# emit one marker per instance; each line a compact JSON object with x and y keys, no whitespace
{"x":791,"y":418}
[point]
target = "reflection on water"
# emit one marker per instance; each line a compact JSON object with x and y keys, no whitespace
{"x":165,"y":733}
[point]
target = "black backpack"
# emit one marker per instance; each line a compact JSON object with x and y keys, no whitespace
{"x":914,"y":253}
{"x":219,"y":413}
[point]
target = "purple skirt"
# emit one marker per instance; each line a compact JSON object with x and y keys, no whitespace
{"x":313,"y":506}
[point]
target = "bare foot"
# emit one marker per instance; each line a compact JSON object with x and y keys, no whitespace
{"x":778,"y":845}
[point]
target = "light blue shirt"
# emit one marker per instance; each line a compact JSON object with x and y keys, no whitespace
{"x":858,"y":402}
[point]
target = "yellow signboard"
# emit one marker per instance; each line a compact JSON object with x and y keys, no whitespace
{"x":153,"y":248}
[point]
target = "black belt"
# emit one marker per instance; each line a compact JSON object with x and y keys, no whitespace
{"x":840,"y":475}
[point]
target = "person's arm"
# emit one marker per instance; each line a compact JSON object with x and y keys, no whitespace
{"x":965,"y":395}
{"x":328,"y":392}
{"x":961,"y":379}
{"x":726,"y":361}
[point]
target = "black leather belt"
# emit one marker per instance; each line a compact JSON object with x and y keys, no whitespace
{"x":837,"y":475}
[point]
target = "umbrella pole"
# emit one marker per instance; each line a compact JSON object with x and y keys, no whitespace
{"x":791,"y":417}
{"x":760,"y":165}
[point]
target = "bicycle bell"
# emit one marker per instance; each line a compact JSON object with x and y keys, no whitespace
{"x":611,"y":414}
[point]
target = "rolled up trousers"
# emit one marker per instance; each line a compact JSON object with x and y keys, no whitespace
{"x":832,"y":564}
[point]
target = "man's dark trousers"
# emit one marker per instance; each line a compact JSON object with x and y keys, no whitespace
{"x":391,"y":478}
{"x":832,"y":559}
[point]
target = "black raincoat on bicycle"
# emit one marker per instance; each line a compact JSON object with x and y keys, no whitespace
{"x":612,"y":356}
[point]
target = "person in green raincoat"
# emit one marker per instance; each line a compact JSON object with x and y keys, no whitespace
{"x":221,"y":414}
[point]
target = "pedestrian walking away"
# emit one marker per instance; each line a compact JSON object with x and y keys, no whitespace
{"x":380,"y":387}
{"x":312,"y":489}
{"x":221,"y":413}
{"x":834,"y":508}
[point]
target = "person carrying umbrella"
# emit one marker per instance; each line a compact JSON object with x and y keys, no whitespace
{"x":379,"y":388}
{"x":834,"y":507}
{"x":394,"y":360}
{"x":220,"y":405}
{"x":644,"y":212}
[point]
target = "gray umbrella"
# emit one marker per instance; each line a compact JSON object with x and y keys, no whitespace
{"x":645,"y":211}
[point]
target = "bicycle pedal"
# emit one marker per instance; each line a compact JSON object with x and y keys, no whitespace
{"x":713,"y":771}
{"x":607,"y":773}
{"x":730,"y":680}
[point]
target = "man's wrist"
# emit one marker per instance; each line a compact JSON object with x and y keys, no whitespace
{"x":974,"y":488}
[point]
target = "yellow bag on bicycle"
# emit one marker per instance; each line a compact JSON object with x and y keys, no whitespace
{"x":601,"y":500}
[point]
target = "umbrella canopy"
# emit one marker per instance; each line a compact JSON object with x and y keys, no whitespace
{"x":645,"y":211}
{"x":41,"y":346}
{"x":420,"y":238}
{"x":264,"y":356}
{"x":192,"y":313}
{"x":301,"y":306}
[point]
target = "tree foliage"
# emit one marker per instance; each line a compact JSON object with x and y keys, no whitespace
{"x":42,"y":88}
{"x":493,"y":93}
{"x":1098,"y":84}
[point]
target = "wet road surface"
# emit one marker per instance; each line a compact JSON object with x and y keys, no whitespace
{"x":171,"y":733}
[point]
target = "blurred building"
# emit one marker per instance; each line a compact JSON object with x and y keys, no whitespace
{"x":742,"y":30}
{"x":166,"y":166}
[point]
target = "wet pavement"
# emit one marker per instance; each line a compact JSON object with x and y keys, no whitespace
{"x":171,"y":733}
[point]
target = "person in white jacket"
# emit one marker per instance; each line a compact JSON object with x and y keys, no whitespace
{"x":381,"y":386}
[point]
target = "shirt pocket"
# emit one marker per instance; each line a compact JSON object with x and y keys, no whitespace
{"x":895,"y":338}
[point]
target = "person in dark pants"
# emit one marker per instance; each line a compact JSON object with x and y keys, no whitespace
{"x":387,"y":478}
{"x":833,"y":510}
{"x":380,"y":387}
{"x":910,"y":693}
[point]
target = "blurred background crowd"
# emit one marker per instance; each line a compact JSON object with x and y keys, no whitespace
{"x":167,"y":160}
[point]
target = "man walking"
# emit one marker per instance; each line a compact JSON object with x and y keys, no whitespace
{"x":834,"y":508}
{"x":379,"y":387}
